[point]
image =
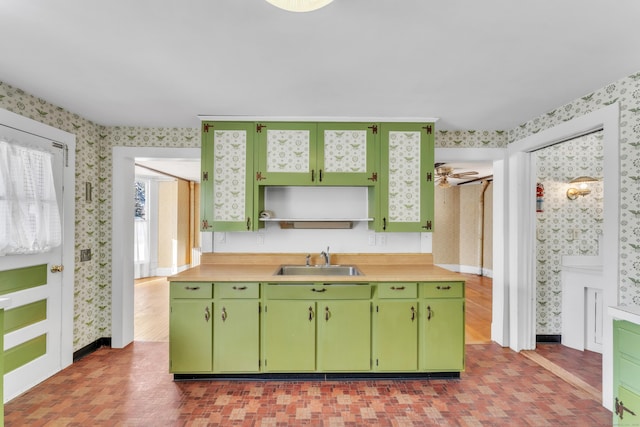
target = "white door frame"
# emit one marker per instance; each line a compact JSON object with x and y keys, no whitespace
{"x":31,"y":126}
{"x":500,"y":303}
{"x":521,"y":278}
{"x":122,"y":278}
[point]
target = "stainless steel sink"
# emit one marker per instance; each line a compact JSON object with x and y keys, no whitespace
{"x":318,"y":270}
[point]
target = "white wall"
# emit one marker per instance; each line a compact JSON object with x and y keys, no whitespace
{"x":318,"y":202}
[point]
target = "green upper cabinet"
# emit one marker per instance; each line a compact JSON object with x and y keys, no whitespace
{"x":347,"y":154}
{"x":335,"y":154}
{"x":286,"y":153}
{"x":405,"y":196}
{"x":227,"y":176}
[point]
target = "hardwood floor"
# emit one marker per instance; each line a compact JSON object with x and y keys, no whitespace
{"x":151,"y":319}
{"x":478,"y":305}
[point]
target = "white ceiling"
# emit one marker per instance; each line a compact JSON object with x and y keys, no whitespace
{"x":490,"y":64}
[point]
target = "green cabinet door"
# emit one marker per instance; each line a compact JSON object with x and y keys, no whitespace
{"x":289,"y":336}
{"x":190,"y":335}
{"x":236,"y":332}
{"x":344,"y":335}
{"x":228,"y":191}
{"x":396,"y":336}
{"x":206,"y":184}
{"x":405,"y":201}
{"x":286,"y":153}
{"x":442,"y":339}
{"x":347,"y":154}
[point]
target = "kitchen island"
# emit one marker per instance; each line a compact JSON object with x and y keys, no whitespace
{"x":234,"y":316}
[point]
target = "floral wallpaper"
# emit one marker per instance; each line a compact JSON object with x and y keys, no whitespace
{"x":229,"y":175}
{"x":345,"y":151}
{"x":626,"y":92}
{"x":92,"y":311}
{"x":288,"y":151}
{"x":565,"y":227}
{"x":404,"y":176}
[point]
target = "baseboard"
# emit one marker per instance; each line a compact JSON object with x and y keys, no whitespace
{"x":90,"y":348}
{"x":365,"y":376}
{"x":468,"y":269}
{"x":549,"y":338}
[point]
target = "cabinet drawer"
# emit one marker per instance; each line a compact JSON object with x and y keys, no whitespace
{"x":397,"y":290}
{"x":191,"y":290}
{"x":318,"y":291}
{"x":443,"y":290}
{"x":236,"y":290}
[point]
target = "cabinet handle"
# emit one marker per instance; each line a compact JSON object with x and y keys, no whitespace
{"x":429,"y":312}
{"x":384,"y":223}
{"x":318,"y":290}
{"x":326,"y":314}
{"x":413,"y":313}
{"x":192,"y":288}
{"x":248,"y":223}
{"x":207,"y":314}
{"x":239,"y":288}
{"x":443,"y":288}
{"x":399,"y":288}
{"x":320,"y":173}
{"x":313,"y":175}
{"x":224,"y":314}
{"x":310,"y":313}
{"x":620,"y":408}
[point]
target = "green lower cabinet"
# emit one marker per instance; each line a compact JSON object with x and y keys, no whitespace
{"x":236,"y":336}
{"x":442,"y":339}
{"x":190,"y":335}
{"x":626,"y":411}
{"x":344,"y":335}
{"x":395,"y":332}
{"x":289,"y":336}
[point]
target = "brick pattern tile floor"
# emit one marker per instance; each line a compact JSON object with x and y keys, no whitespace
{"x":132,"y":387}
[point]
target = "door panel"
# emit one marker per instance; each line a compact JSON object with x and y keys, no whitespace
{"x":35,"y":349}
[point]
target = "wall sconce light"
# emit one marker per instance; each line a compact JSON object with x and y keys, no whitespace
{"x":583,"y":189}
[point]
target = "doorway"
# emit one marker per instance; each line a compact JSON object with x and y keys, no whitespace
{"x":521,"y":228}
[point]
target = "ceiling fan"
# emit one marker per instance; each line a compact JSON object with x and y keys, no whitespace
{"x":444,"y":172}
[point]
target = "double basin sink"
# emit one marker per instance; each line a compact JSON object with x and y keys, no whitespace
{"x":318,"y":270}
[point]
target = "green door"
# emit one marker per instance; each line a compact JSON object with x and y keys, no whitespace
{"x":406,"y":179}
{"x":290,"y":336}
{"x":236,"y":327}
{"x":229,"y":147}
{"x":347,"y":154}
{"x":287,"y":154}
{"x":443,"y":337}
{"x":344,"y":335}
{"x":396,"y":336}
{"x":190,"y":336}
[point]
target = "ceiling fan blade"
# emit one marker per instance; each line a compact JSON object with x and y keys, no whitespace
{"x":482,"y":178}
{"x":463,"y":174}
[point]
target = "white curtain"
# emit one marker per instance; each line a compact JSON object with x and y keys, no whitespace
{"x":29,"y":216}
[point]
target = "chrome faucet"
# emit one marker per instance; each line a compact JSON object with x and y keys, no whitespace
{"x":327,"y":257}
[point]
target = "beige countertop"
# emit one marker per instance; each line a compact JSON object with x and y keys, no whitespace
{"x":228,"y":267}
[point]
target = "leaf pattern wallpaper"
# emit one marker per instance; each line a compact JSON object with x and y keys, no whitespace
{"x":229,"y":152}
{"x":345,"y":151}
{"x":565,"y":227}
{"x":288,"y":151}
{"x":92,"y":311}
